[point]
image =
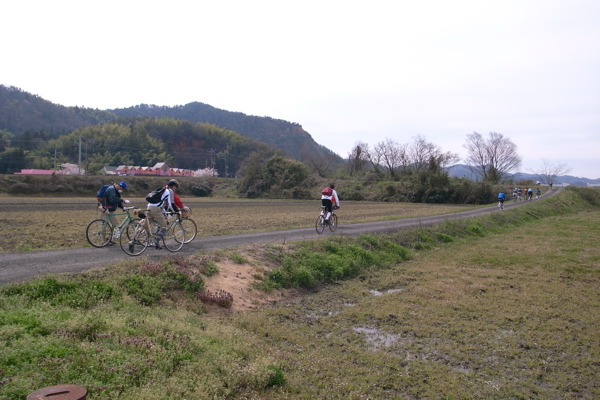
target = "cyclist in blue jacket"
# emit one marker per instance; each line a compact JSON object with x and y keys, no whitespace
{"x":501,"y":198}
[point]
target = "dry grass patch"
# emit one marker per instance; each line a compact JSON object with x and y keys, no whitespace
{"x":60,"y":223}
{"x":494,"y":318}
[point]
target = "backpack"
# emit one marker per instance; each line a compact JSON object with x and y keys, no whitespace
{"x":327,"y":191}
{"x":155,"y":195}
{"x":101,"y":193}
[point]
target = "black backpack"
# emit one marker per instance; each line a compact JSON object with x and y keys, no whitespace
{"x":155,"y":195}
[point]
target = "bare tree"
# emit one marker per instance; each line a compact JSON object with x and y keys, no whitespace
{"x":423,"y":155}
{"x":358,"y":158}
{"x":493,"y":158}
{"x":375,"y":156}
{"x":321,"y":164}
{"x":419,"y":152}
{"x":389,"y":153}
{"x":548,"y":171}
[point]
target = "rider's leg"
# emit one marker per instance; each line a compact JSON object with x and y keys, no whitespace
{"x":157,"y":214}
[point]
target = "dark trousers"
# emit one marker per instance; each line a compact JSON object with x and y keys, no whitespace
{"x":327,"y":204}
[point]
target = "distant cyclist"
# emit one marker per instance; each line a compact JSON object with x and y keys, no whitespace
{"x":329,"y":199}
{"x":529,"y":194}
{"x":538,"y":193}
{"x":501,"y":198}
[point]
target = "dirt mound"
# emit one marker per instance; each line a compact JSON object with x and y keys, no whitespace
{"x":238,"y":279}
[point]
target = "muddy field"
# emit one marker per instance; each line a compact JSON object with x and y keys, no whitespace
{"x":35,"y":223}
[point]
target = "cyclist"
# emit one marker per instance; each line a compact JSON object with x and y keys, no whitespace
{"x":176,"y":200}
{"x":329,"y":199}
{"x":529,"y":194}
{"x":156,"y":211}
{"x":501,"y":198}
{"x":537,"y":193}
{"x":112,"y":200}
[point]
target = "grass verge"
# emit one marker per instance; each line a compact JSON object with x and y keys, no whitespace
{"x":500,"y":307}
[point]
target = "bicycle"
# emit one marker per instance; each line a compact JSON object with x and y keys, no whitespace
{"x":100,"y":232}
{"x":501,"y":204}
{"x":320,"y":224}
{"x":139,"y":235}
{"x":189,"y":225}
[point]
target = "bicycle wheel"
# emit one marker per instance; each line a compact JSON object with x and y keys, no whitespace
{"x":127,"y":232}
{"x":320,"y":224}
{"x":190,"y":229}
{"x":175,"y":237}
{"x":139,"y":239}
{"x":333,"y":222}
{"x":99,"y":233}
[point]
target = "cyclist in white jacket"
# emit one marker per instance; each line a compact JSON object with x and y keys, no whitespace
{"x":156,"y":210}
{"x":329,"y":199}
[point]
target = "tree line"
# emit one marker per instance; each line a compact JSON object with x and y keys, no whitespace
{"x":143,"y":142}
{"x":145,"y":135}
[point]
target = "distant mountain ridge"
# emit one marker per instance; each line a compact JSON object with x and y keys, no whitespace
{"x":462,"y":171}
{"x":22,"y":112}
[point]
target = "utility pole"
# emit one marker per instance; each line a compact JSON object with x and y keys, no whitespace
{"x":212,"y":161}
{"x":79,"y":155}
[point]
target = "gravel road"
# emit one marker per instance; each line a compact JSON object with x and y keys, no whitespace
{"x":22,"y":266}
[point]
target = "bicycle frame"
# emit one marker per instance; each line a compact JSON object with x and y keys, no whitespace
{"x":101,"y":232}
{"x":139,"y":235}
{"x":320,"y":224}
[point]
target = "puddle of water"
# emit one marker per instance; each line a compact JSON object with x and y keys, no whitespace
{"x":315,"y":315}
{"x":378,"y":293}
{"x":375,"y":338}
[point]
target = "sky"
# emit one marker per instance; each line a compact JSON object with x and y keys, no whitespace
{"x":347,"y":71}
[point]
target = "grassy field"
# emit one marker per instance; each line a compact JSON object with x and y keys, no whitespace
{"x":505,"y":306}
{"x":38,"y":223}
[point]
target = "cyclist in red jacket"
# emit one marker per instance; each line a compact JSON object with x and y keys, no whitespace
{"x":329,"y":199}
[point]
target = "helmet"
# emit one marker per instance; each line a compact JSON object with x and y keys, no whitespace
{"x":332,"y":186}
{"x":173,"y":182}
{"x":123,"y":185}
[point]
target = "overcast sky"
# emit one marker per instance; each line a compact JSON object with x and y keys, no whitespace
{"x":347,"y":71}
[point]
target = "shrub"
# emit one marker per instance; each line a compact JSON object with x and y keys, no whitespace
{"x":238,"y":258}
{"x":201,"y":190}
{"x":20,"y":188}
{"x":75,"y":294}
{"x":442,"y":237}
{"x":276,"y":378}
{"x":145,"y":289}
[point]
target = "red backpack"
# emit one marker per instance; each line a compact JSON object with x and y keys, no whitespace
{"x":327,"y":191}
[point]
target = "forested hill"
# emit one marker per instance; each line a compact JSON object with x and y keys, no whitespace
{"x":22,"y":112}
{"x":282,"y":134}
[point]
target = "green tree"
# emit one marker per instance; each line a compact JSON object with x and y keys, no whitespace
{"x":277,"y":176}
{"x":12,"y":160}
